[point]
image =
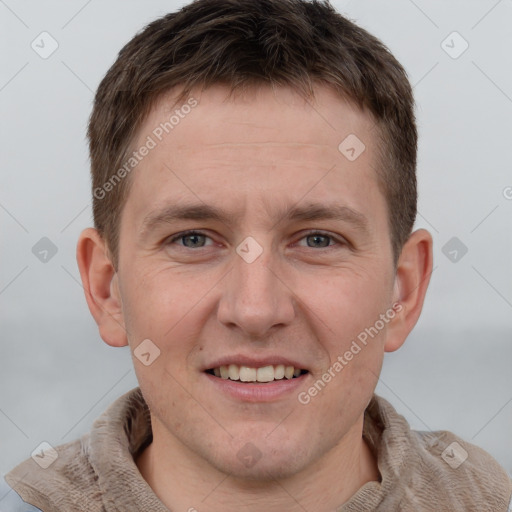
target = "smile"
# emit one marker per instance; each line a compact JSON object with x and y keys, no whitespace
{"x":262,"y":374}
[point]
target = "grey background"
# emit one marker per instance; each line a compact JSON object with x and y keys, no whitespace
{"x":455,"y":371}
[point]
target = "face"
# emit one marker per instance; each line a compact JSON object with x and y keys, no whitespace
{"x":250,"y":243}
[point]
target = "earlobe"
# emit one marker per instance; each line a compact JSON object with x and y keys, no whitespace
{"x":411,"y":282}
{"x":100,"y":284}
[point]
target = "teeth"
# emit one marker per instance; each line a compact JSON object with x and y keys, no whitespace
{"x":247,"y":374}
{"x":288,"y":372}
{"x":279,"y":371}
{"x":263,"y":374}
{"x":233,"y":372}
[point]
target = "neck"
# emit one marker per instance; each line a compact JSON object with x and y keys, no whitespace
{"x":183,"y":481}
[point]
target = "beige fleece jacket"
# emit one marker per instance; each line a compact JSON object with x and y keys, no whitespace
{"x":421,"y":471}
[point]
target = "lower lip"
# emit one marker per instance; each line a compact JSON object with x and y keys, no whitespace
{"x":264,"y":392}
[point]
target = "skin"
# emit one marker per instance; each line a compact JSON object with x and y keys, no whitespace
{"x":304,"y":297}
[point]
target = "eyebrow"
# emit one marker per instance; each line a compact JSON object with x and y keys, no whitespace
{"x":204,"y":212}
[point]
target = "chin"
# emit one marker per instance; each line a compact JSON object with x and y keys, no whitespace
{"x":263,"y":464}
{"x":267,"y":469}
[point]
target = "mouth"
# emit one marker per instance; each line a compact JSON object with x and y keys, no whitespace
{"x":256,"y":375}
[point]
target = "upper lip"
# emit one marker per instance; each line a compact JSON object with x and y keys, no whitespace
{"x":254,"y":362}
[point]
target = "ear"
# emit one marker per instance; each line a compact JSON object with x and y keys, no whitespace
{"x":99,"y":280}
{"x":411,"y":282}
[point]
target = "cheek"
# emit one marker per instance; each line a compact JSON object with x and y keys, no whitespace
{"x":353,"y":336}
{"x":171,"y":312}
{"x":156,"y":303}
{"x":349,"y":302}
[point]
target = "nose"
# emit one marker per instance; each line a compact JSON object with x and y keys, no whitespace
{"x":255,"y":298}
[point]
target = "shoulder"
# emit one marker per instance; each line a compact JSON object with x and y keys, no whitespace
{"x":10,"y":500}
{"x":45,"y":484}
{"x":438,"y":468}
{"x":469,"y":471}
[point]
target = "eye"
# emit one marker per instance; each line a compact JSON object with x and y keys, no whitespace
{"x":190,"y":239}
{"x":197,"y":240}
{"x":318,"y":239}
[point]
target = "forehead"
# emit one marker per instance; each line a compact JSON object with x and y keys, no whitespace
{"x":248,"y":147}
{"x":257,"y":115}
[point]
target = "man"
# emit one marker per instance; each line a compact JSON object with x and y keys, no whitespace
{"x":253,"y":167}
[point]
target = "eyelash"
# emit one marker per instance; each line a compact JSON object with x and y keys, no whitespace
{"x":184,"y":234}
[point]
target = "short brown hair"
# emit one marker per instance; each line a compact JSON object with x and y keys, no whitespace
{"x":243,"y":43}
